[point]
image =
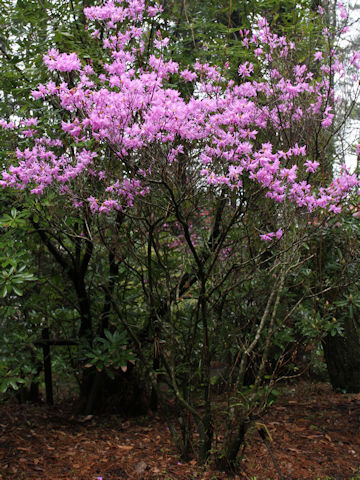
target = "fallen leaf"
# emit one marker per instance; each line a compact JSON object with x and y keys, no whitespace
{"x":82,"y":419}
{"x":140,"y":467}
{"x":125,"y":447}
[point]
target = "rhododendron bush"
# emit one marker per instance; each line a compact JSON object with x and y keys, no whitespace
{"x":213,"y":175}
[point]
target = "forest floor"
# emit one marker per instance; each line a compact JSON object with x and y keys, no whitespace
{"x":315,"y":432}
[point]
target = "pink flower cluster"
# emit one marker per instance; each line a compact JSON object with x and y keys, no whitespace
{"x":133,"y":110}
{"x":63,"y":62}
{"x":269,"y":237}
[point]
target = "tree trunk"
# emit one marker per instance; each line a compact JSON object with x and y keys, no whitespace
{"x":233,"y":442}
{"x":342,"y":355}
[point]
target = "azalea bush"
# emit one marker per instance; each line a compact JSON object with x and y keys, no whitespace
{"x":198,"y":188}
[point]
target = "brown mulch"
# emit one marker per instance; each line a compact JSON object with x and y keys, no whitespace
{"x":315,"y":432}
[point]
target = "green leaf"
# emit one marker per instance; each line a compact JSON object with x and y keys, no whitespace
{"x":17,"y":291}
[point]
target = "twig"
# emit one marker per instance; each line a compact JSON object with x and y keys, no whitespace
{"x":191,"y":27}
{"x":263,"y":434}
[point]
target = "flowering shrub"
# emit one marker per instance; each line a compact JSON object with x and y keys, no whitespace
{"x":131,"y":145}
{"x":131,"y":107}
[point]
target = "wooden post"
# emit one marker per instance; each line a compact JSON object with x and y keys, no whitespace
{"x":45,"y":343}
{"x":47,"y":367}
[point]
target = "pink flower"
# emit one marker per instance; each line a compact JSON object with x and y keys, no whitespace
{"x":63,"y":62}
{"x":289,"y":173}
{"x":154,"y":10}
{"x":311,"y":166}
{"x":343,"y":13}
{"x":188,"y":76}
{"x":335,"y":209}
{"x":246,"y":69}
{"x":327,"y":121}
{"x":94,"y":207}
{"x":267,"y":237}
{"x":279,"y":234}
